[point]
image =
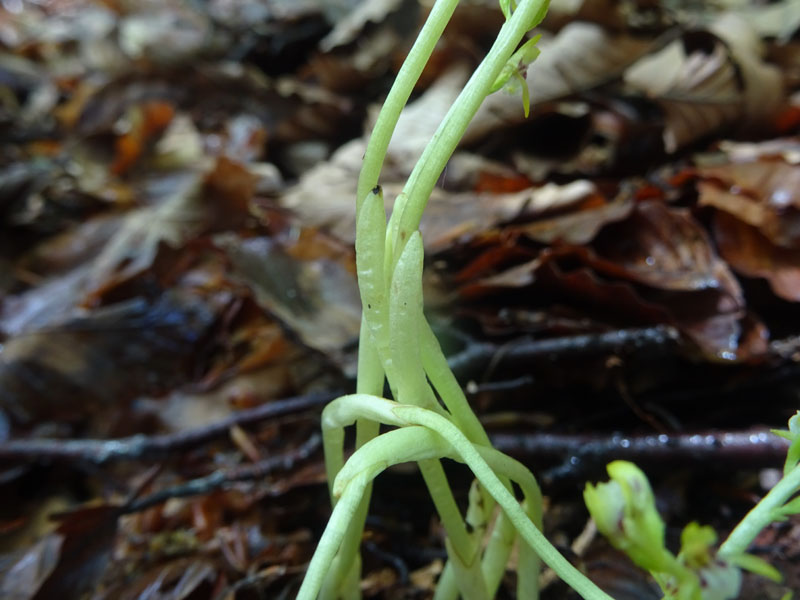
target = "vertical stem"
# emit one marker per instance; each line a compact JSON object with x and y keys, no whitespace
{"x":406,"y":217}
{"x":332,"y":538}
{"x":398,"y":95}
{"x":446,"y":384}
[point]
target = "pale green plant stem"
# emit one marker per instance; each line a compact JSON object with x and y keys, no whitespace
{"x":344,"y":576}
{"x":499,"y":547}
{"x":410,"y":205}
{"x":402,"y":445}
{"x":445,"y":503}
{"x":446,"y":588}
{"x":329,"y":543}
{"x":445,"y":383}
{"x":405,"y":307}
{"x":405,"y":337}
{"x":467,"y":575}
{"x":521,"y":521}
{"x":398,"y":95}
{"x":343,"y":411}
{"x":333,"y":424}
{"x":345,"y":573}
{"x":761,"y":515}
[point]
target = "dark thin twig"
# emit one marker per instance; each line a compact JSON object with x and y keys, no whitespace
{"x":477,"y":356}
{"x":585,"y":455}
{"x":222,"y":478}
{"x":143,"y":447}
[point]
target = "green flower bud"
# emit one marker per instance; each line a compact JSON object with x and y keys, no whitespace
{"x":625,"y":512}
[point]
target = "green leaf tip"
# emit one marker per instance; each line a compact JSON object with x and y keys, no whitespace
{"x":512,"y":75}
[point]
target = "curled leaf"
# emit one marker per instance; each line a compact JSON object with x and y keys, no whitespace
{"x":512,"y":78}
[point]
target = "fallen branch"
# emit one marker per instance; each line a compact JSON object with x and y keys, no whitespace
{"x":223,"y":478}
{"x":476,"y":357}
{"x":583,"y":455}
{"x":143,"y":447}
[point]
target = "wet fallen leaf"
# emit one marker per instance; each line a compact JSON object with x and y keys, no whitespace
{"x":316,"y":299}
{"x":23,"y":578}
{"x":66,"y":563}
{"x":75,"y":370}
{"x":753,"y":255}
{"x":763,"y":194}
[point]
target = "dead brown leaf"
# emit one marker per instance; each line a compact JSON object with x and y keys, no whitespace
{"x":704,"y":83}
{"x":317,"y":298}
{"x":753,"y":255}
{"x":763,"y":194}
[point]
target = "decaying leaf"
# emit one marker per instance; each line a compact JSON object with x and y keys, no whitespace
{"x":579,"y":224}
{"x":317,"y":298}
{"x":348,"y":27}
{"x":23,"y":578}
{"x":655,"y":266}
{"x":764,"y":194}
{"x":666,"y":248}
{"x":750,"y":253}
{"x":704,"y":83}
{"x":67,"y":562}
{"x":73,"y":371}
{"x":456,"y":218}
{"x":787,"y":149}
{"x":179,"y":214}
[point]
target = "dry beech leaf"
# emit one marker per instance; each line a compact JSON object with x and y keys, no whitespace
{"x":581,"y":57}
{"x":133,"y":248}
{"x":778,"y":19}
{"x":753,"y":255}
{"x":349,"y":27}
{"x":325,"y":195}
{"x":703,"y":84}
{"x":764,"y":194}
{"x":73,"y":370}
{"x":22,"y":580}
{"x":656,"y":266}
{"x":314,"y":297}
{"x":787,"y":149}
{"x":582,"y":222}
{"x":451,"y":218}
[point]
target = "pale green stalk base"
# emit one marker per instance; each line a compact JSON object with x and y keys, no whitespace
{"x":424,"y":434}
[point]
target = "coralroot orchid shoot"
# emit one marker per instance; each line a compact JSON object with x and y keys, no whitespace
{"x":431,"y":416}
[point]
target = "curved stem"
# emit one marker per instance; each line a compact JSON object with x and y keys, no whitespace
{"x":398,"y":95}
{"x":411,"y":203}
{"x":413,"y":415}
{"x":446,"y":384}
{"x":499,"y":548}
{"x":761,"y":515}
{"x":332,"y":537}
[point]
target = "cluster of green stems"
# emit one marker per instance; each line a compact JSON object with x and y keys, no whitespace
{"x":430,"y":415}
